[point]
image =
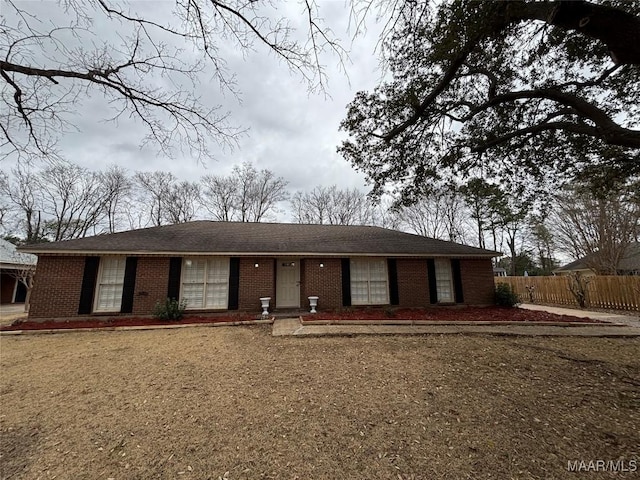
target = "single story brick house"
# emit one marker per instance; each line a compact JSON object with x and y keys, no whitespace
{"x":219,"y":266}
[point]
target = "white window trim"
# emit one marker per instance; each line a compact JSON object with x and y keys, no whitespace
{"x":204,"y":282}
{"x":386,"y":273}
{"x":96,"y":294}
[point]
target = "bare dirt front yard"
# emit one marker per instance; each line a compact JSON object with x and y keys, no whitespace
{"x":235,"y":403}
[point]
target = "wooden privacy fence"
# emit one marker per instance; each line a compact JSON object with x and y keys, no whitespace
{"x":611,"y":292}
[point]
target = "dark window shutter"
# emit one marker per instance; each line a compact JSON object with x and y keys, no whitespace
{"x":88,"y":288}
{"x":128,"y":289}
{"x":457,"y":280}
{"x":392,"y":270}
{"x":234,"y":283}
{"x":346,"y":282}
{"x":431,"y":275}
{"x":175,"y":267}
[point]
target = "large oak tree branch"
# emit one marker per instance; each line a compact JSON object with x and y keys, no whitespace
{"x":619,"y":30}
{"x":183,"y":113}
{"x":605,"y":128}
{"x":448,"y":76}
{"x":481,"y":146}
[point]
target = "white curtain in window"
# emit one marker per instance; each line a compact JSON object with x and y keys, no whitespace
{"x":369,"y":281}
{"x":359,"y":282}
{"x":444,"y":284}
{"x":205,"y":283}
{"x":217,"y":285}
{"x":110,"y":283}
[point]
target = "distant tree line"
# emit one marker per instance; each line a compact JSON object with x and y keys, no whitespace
{"x":64,"y":201}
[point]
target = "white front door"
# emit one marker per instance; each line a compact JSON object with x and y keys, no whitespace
{"x":288,"y":283}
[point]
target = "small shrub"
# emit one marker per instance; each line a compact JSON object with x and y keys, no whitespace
{"x":505,"y":297}
{"x":170,"y":309}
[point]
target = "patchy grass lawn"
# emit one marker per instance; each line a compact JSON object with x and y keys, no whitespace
{"x":236,"y":403}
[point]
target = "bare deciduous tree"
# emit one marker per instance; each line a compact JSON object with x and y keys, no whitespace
{"x":182,"y":202}
{"x":247,"y":195}
{"x":219,"y":195}
{"x":311,"y":207}
{"x":597,"y":227}
{"x":154,"y":189}
{"x":50,"y":65}
{"x":333,"y":206}
{"x":73,"y":198}
{"x":23,"y":196}
{"x":266,"y":192}
{"x":440,"y":215}
{"x":24,"y":274}
{"x":116,"y":186}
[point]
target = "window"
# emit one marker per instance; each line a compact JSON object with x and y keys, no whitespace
{"x":205,"y":283}
{"x":369,"y":281}
{"x":110,"y":283}
{"x":444,"y":283}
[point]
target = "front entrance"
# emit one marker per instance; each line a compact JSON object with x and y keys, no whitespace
{"x":288,"y":283}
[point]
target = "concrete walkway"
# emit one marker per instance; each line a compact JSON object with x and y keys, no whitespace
{"x":619,"y":326}
{"x":10,"y":312}
{"x":630,"y":320}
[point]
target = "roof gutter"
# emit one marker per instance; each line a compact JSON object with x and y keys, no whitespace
{"x":144,"y":253}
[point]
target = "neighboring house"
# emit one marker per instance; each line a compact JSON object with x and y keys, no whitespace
{"x":499,"y":272}
{"x":11,"y":261}
{"x":218,"y":266}
{"x":628,"y":265}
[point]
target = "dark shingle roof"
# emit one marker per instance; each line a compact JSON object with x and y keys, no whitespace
{"x":201,"y":237}
{"x":9,"y":256}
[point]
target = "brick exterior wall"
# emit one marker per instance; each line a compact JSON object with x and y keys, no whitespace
{"x":256,"y":282}
{"x":152,"y":277}
{"x":413,"y":283}
{"x":58,"y":283}
{"x":56,"y":287}
{"x":477,"y":281}
{"x":324,"y":282}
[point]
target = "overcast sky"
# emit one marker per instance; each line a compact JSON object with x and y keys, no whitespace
{"x":291,"y":132}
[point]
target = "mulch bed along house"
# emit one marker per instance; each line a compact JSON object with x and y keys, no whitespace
{"x":227,"y":266}
{"x":386,"y":315}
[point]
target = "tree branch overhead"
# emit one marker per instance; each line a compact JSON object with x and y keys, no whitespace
{"x":478,"y":85}
{"x":46,"y":72}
